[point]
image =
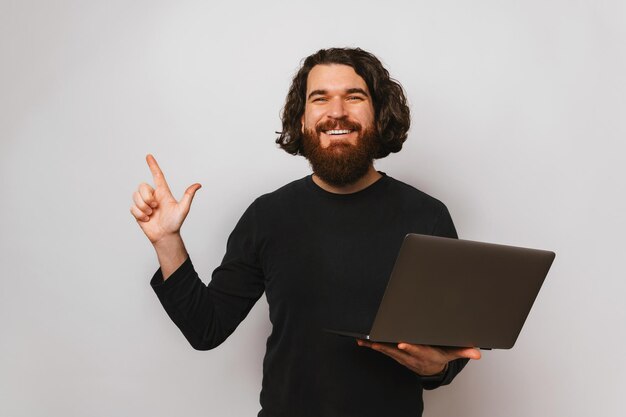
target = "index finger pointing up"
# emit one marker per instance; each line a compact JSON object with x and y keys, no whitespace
{"x":157,"y":174}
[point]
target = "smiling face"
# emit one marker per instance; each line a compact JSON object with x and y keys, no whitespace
{"x":338,"y":105}
{"x":338,"y":134}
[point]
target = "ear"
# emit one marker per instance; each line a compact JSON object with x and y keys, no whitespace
{"x":302,"y":123}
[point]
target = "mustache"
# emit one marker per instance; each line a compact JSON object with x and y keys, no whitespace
{"x":341,"y":124}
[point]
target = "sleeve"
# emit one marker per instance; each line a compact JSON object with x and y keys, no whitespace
{"x":444,"y":227}
{"x":208,"y":314}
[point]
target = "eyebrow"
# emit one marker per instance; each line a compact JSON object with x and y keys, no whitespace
{"x":348,"y":91}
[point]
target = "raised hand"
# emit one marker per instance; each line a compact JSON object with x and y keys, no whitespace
{"x":156,"y":210}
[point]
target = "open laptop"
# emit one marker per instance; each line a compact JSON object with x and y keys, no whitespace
{"x":453,"y":292}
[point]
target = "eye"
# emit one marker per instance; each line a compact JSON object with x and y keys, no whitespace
{"x":355,"y":98}
{"x":319,"y":100}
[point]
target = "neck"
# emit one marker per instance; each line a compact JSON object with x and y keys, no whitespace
{"x":370,"y":177}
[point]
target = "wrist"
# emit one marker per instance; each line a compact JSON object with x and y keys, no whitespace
{"x":169,"y":241}
{"x":171,"y":253}
{"x":441,"y":373}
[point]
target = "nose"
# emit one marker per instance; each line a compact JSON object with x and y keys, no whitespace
{"x":337,"y":109}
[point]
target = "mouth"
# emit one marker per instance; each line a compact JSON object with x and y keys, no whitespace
{"x":338,"y":133}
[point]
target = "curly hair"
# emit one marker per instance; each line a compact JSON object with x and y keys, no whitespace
{"x":392,"y":115}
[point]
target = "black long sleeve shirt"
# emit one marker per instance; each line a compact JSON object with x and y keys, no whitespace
{"x":323,"y":261}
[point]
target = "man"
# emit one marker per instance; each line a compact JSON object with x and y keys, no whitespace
{"x":321,"y":248}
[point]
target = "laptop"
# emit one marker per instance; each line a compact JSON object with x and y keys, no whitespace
{"x":458,"y":293}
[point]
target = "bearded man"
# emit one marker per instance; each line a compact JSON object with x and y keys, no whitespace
{"x":321,"y":248}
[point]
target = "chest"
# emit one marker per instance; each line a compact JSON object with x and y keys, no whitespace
{"x":331,"y":267}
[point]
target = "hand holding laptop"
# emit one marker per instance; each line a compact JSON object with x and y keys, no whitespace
{"x":422,"y":359}
{"x":450,"y":292}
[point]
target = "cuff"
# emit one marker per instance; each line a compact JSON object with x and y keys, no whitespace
{"x":183,"y":270}
{"x":436,"y":378}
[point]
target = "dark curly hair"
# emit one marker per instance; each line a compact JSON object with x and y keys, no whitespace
{"x":392,"y":115}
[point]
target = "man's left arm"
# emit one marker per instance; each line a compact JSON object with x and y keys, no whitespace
{"x":437,"y":365}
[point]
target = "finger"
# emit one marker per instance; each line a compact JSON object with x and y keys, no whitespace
{"x":147,"y":194}
{"x":138,"y":214}
{"x":469,"y":353}
{"x":381,"y":347}
{"x":448,"y":353}
{"x":392,"y":352}
{"x":190,"y":192}
{"x":157,"y":174}
{"x":457,"y":353}
{"x":141,"y":204}
{"x":418,"y":350}
{"x":426,"y":353}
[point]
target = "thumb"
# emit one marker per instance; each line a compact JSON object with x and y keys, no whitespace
{"x":188,"y":196}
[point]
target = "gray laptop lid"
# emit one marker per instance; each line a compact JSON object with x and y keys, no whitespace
{"x":451,"y":292}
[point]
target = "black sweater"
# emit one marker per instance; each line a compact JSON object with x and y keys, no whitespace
{"x":323,"y":261}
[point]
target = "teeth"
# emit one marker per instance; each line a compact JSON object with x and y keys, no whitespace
{"x":337,"y":132}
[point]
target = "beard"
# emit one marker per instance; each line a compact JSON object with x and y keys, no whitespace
{"x":341,"y":163}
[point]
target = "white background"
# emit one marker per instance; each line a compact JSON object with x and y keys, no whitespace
{"x":518,"y":122}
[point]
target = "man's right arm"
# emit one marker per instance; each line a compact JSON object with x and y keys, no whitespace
{"x":206,"y":315}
